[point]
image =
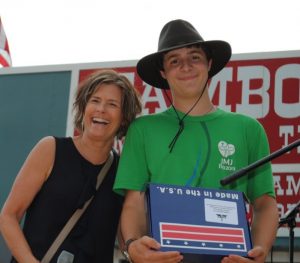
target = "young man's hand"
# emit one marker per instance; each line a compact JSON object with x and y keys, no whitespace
{"x":256,"y":255}
{"x":145,"y":249}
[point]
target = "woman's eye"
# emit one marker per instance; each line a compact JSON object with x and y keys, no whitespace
{"x":93,"y":100}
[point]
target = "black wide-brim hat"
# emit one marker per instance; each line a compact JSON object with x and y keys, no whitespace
{"x":177,"y":34}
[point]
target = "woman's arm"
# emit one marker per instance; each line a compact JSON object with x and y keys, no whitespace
{"x":27,"y":184}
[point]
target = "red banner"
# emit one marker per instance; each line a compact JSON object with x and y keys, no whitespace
{"x":267,"y":89}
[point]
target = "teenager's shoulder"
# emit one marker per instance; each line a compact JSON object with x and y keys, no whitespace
{"x":240,"y":117}
{"x":151,"y":118}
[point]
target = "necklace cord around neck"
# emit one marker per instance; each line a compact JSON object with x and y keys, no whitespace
{"x":180,"y":120}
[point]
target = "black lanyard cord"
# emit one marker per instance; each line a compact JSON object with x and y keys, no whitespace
{"x":180,"y":121}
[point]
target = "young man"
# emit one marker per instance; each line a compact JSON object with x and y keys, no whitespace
{"x":185,"y":145}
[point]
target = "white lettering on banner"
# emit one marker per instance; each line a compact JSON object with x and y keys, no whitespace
{"x":277,"y":185}
{"x":287,"y":191}
{"x":292,"y":187}
{"x":223,"y":77}
{"x":159,"y":98}
{"x":286,"y":131}
{"x":260,"y":110}
{"x":286,"y":110}
{"x":282,"y":210}
{"x":246,"y":74}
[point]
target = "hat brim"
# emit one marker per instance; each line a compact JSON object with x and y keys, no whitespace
{"x":148,"y":67}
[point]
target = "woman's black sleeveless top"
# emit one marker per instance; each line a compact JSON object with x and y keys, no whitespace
{"x":72,"y":182}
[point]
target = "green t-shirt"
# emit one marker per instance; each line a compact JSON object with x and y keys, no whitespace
{"x":210,"y":148}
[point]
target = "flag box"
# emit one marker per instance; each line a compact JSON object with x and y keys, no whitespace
{"x":203,"y":224}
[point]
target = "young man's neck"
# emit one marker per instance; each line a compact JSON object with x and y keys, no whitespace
{"x":202,"y":107}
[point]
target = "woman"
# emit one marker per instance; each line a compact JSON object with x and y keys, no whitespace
{"x":60,"y":174}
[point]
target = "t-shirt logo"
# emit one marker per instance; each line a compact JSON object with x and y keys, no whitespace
{"x":226,"y":149}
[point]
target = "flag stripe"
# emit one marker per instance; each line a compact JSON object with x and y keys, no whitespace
{"x":201,"y":229}
{"x":203,"y":237}
{"x":204,"y":245}
{"x":5,"y":58}
{"x":3,"y":62}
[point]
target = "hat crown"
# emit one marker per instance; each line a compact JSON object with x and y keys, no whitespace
{"x":178,"y":33}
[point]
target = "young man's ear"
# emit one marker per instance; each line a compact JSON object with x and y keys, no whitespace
{"x":209,"y":64}
{"x":162,"y":73}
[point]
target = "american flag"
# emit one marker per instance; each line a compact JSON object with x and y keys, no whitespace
{"x":5,"y":59}
{"x":202,"y":237}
